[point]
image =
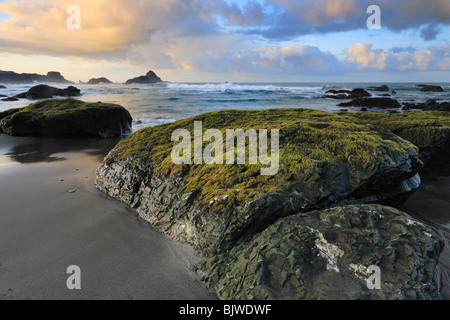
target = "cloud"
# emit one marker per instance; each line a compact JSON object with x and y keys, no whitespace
{"x":364,"y":58}
{"x":409,"y":49}
{"x":291,"y":18}
{"x":429,"y":32}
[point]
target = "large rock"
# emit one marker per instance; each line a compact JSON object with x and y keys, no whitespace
{"x":327,"y":254}
{"x":44,"y":91}
{"x":66,"y":118}
{"x":99,"y":81}
{"x":149,"y":78}
{"x":381,"y":103}
{"x":324,"y":159}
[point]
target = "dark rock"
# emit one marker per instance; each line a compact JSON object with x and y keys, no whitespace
{"x":382,"y":103}
{"x":430,"y":88}
{"x":383,"y":88}
{"x":429,"y":105}
{"x":44,"y":91}
{"x":364,"y":109}
{"x":149,"y":78}
{"x":347,"y":94}
{"x":394,"y":92}
{"x":10,"y":99}
{"x":99,"y":81}
{"x":3,"y":87}
{"x":67,"y":118}
{"x":326,"y":255}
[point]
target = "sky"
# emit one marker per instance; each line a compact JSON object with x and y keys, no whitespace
{"x":228,"y":40}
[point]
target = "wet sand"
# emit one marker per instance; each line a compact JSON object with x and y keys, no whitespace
{"x":52,"y":217}
{"x":431,"y":204}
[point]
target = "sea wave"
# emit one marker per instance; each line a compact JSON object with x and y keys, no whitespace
{"x":233,"y":87}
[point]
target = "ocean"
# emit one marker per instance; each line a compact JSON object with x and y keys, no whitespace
{"x":156,"y":104}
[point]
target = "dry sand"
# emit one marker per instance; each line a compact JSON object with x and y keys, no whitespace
{"x":44,"y":229}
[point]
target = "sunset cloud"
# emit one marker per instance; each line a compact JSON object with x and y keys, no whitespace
{"x":230,"y":36}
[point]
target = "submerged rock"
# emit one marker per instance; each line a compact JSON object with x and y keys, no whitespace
{"x":324,"y":159}
{"x":44,"y":91}
{"x":66,"y":118}
{"x":328,"y":255}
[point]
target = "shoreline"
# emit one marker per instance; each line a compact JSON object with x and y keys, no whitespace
{"x":53,"y":217}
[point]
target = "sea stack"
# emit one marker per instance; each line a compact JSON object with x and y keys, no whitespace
{"x":149,"y":78}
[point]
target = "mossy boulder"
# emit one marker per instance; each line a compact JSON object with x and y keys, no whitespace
{"x":324,"y":159}
{"x":327,"y":255}
{"x":66,"y":118}
{"x":428,"y":130}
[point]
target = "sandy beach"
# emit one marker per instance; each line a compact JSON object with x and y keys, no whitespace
{"x":52,"y":217}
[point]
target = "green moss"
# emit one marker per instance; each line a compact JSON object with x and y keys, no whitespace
{"x":54,"y":108}
{"x":420,"y":128}
{"x":310,"y":142}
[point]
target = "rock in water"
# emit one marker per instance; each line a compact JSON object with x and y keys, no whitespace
{"x":327,"y":254}
{"x":99,"y":81}
{"x":149,"y":78}
{"x":383,"y":88}
{"x":44,"y":91}
{"x":430,"y":88}
{"x":55,"y":77}
{"x":67,"y":118}
{"x":324,"y":159}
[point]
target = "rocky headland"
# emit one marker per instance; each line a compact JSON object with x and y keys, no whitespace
{"x":26,"y":78}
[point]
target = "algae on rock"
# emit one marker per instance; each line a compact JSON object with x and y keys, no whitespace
{"x":324,"y":159}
